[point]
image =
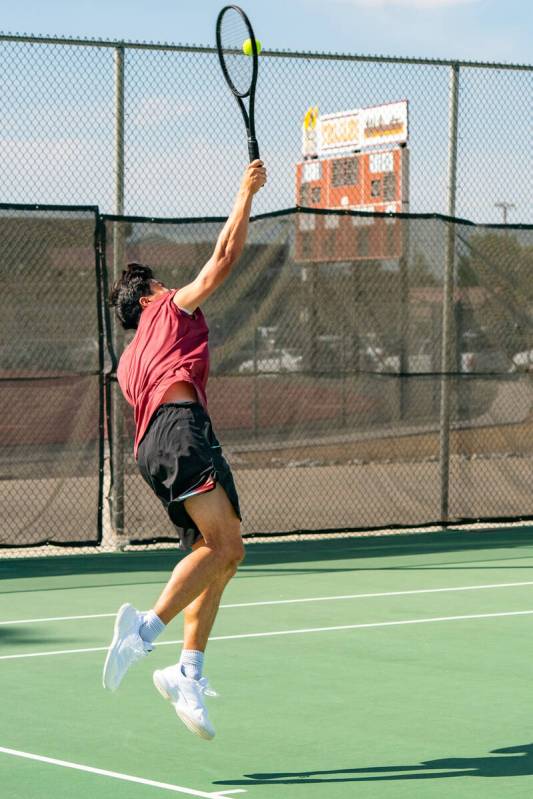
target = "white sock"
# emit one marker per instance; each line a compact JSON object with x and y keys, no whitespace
{"x":191,"y":663}
{"x":151,"y":627}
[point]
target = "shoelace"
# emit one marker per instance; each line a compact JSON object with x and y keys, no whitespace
{"x":205,"y":688}
{"x":136,"y":644}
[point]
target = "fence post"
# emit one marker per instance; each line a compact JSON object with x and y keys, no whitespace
{"x":404,"y":383}
{"x":404,"y":386}
{"x":448,"y":299}
{"x":256,"y":387}
{"x":117,"y":454}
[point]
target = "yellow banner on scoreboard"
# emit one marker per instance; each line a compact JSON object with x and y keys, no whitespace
{"x":309,"y":135}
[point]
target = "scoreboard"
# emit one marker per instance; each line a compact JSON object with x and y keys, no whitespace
{"x":371,"y":181}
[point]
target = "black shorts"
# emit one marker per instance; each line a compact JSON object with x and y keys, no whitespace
{"x":180,"y":456}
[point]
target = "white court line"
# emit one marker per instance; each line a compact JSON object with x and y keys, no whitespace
{"x":59,"y":618}
{"x":114,"y":774}
{"x":289,"y":632}
{"x":292,"y":601}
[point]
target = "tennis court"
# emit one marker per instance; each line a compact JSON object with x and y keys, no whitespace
{"x":376,"y":666}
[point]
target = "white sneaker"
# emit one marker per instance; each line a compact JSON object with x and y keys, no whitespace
{"x":126,"y":648}
{"x":187,"y":696}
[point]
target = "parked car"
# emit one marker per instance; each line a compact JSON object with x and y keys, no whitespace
{"x":522,"y":361}
{"x":480,"y":355}
{"x":371,"y":351}
{"x":477,"y":356}
{"x":421,"y":360}
{"x":275,"y":361}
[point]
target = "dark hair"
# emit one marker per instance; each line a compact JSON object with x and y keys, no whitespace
{"x":127,"y":291}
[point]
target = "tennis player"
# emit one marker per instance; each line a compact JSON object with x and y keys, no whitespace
{"x":163,"y":375}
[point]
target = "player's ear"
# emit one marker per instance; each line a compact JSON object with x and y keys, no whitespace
{"x":144,"y":301}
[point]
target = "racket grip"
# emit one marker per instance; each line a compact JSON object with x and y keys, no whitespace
{"x":253,"y":148}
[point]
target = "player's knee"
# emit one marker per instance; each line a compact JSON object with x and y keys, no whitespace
{"x":236,"y":554}
{"x":231,"y":553}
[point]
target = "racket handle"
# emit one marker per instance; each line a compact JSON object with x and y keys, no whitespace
{"x":253,"y":149}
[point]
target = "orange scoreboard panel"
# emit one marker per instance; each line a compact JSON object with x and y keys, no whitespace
{"x":367,"y":181}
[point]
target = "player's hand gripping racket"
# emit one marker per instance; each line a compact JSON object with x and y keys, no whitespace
{"x":235,"y":37}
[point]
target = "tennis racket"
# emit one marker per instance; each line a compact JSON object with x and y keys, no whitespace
{"x":239,"y":70}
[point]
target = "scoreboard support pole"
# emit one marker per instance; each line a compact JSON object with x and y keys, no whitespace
{"x":404,"y":293}
{"x":447,"y":306}
{"x":405,"y":385}
{"x":404,"y":325}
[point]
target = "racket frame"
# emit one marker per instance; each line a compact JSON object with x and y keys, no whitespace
{"x":248,"y":116}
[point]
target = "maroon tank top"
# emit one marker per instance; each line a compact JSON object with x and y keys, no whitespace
{"x":169,"y":345}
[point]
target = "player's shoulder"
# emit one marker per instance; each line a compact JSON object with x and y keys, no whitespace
{"x":189,"y":312}
{"x":164,"y":300}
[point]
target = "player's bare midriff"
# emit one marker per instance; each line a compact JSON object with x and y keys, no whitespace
{"x":179,"y":391}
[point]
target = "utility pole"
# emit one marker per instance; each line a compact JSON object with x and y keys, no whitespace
{"x":505,"y":208}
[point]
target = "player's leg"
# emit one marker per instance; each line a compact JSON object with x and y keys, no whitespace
{"x":220,"y":554}
{"x":198,"y":620}
{"x":182,"y":683}
{"x":134,"y":632}
{"x":200,"y":615}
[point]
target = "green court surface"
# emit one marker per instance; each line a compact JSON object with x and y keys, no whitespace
{"x":393,"y":666}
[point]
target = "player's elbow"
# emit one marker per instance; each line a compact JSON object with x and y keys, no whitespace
{"x":230,"y":257}
{"x":216,"y":273}
{"x":233,"y":252}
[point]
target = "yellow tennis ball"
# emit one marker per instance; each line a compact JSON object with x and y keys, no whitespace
{"x":247,"y":47}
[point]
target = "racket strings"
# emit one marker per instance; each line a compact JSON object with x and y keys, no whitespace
{"x":233,"y":34}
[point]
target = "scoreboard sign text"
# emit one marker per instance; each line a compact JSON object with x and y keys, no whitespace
{"x":362,"y":127}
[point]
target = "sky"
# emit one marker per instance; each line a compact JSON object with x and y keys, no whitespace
{"x":488,"y":30}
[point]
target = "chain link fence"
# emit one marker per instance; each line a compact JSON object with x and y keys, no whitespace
{"x":151,"y":130}
{"x":340,"y":399}
{"x":350,"y":393}
{"x":51,"y":377}
{"x":327,"y":384}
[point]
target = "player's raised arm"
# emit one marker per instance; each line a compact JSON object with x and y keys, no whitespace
{"x":229,"y":245}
